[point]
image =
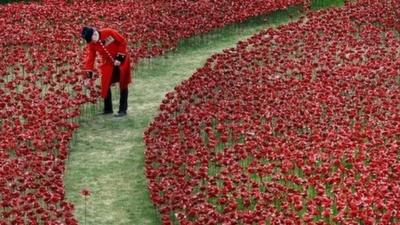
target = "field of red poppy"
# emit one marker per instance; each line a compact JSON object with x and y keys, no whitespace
{"x":296,"y":125}
{"x":42,"y":90}
{"x":113,"y":168}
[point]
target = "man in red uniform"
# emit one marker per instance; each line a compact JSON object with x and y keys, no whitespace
{"x":115,"y":64}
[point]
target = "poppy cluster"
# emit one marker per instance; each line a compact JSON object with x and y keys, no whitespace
{"x":296,"y":125}
{"x":42,"y":90}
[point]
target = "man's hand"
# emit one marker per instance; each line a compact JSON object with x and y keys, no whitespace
{"x":89,"y":74}
{"x":117,"y":63}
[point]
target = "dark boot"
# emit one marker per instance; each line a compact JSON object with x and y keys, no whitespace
{"x":108,"y":108}
{"x":123,"y":103}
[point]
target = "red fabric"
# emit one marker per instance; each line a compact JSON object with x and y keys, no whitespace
{"x":118,"y":44}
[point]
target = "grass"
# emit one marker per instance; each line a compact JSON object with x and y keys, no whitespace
{"x":318,"y":4}
{"x":107,"y":155}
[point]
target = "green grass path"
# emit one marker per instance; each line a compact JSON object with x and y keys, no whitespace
{"x":108,"y":154}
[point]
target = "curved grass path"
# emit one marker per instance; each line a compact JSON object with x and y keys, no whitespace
{"x":108,"y":155}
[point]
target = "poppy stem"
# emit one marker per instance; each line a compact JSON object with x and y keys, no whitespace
{"x":85,"y":210}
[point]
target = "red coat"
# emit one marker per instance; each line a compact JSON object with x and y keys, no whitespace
{"x":114,"y":43}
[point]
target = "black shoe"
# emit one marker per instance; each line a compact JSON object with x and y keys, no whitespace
{"x":120,"y":114}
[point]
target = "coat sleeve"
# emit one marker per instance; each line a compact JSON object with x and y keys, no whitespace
{"x":90,"y":57}
{"x":122,"y":43}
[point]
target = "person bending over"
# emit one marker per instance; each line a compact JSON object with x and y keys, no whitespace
{"x":115,"y":64}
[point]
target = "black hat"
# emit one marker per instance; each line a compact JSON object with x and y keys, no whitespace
{"x":87,"y":33}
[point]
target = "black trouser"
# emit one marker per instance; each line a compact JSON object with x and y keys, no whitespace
{"x":123,"y":97}
{"x":123,"y":101}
